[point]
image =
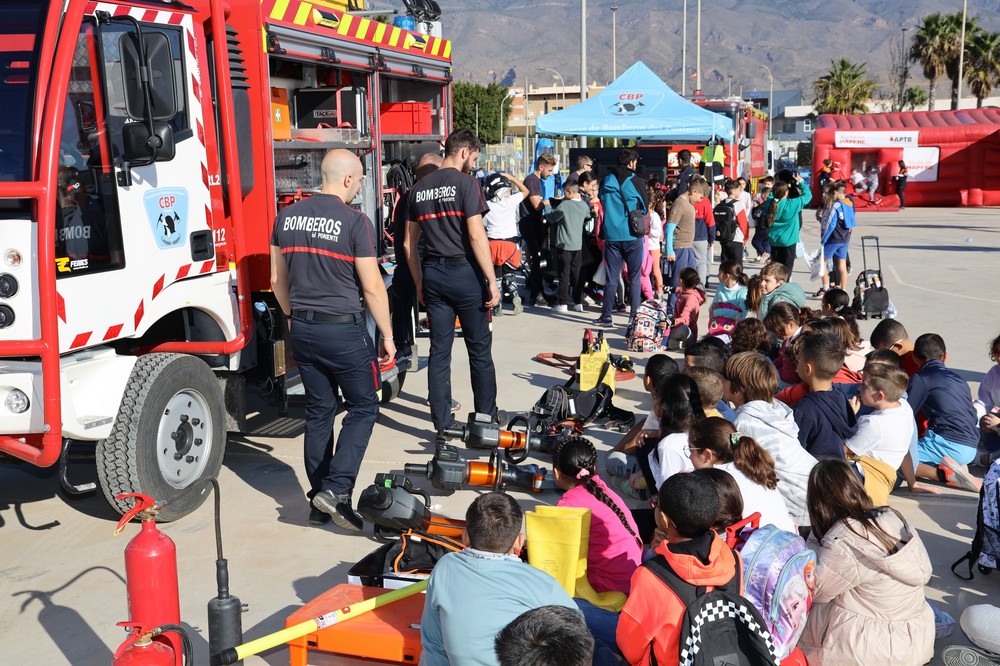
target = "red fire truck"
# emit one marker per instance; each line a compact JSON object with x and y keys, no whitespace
{"x":746,"y":155}
{"x":145,"y":147}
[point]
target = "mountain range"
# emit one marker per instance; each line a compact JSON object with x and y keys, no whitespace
{"x":507,"y":41}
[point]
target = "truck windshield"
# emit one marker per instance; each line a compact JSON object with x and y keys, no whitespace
{"x":21,"y":25}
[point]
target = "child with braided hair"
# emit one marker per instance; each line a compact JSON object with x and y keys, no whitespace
{"x":615,"y":549}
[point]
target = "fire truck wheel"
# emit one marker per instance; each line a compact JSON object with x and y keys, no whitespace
{"x":169,"y":435}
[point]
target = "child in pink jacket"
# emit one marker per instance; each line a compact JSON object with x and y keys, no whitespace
{"x":690,"y":297}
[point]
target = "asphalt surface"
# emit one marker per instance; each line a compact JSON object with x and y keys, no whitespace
{"x":62,"y":571}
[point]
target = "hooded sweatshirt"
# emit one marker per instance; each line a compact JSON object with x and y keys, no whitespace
{"x":825,"y":421}
{"x":784,"y":231}
{"x":868,"y":605}
{"x":652,"y":614}
{"x":773,"y":426}
{"x":687,"y":308}
{"x":786,"y":291}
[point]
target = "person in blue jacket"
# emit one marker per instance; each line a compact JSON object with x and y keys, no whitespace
{"x":622,"y":191}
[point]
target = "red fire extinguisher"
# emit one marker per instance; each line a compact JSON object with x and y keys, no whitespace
{"x":153,"y":601}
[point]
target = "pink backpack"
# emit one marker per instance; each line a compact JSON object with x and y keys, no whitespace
{"x":778,"y":579}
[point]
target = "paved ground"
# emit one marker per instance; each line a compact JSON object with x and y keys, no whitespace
{"x":61,"y":570}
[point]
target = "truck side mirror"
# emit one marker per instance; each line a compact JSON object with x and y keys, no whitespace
{"x":141,"y":148}
{"x":162,"y":94}
{"x":751,"y":131}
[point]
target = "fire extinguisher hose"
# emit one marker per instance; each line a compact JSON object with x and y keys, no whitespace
{"x":188,"y":651}
{"x":234,"y":654}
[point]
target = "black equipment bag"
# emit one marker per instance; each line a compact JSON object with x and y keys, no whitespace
{"x":719,"y":626}
{"x":871,"y":298}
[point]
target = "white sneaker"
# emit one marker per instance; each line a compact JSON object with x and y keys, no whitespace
{"x":578,"y":307}
{"x":957,"y":476}
{"x":966,"y":655}
{"x":559,"y":308}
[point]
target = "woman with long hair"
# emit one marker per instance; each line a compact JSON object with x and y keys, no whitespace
{"x":715,"y":443}
{"x":868,"y":604}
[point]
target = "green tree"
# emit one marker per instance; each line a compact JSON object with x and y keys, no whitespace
{"x":982,"y":68}
{"x":914,"y":97}
{"x":953,"y":48}
{"x":846,"y":88}
{"x":929,"y":48}
{"x":494,"y":107}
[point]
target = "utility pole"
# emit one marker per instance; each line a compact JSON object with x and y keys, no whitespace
{"x":614,"y":42}
{"x":477,"y":120}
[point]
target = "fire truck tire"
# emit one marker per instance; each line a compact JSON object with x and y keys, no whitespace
{"x":169,"y":435}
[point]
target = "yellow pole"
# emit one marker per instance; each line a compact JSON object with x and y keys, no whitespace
{"x":240,"y":652}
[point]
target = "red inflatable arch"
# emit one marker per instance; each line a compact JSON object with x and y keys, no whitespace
{"x":953,"y":157}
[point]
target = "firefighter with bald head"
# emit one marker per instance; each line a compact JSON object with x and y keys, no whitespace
{"x":325,"y":276}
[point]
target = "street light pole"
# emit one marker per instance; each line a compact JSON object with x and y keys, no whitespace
{"x":614,"y":42}
{"x":477,"y":120}
{"x":562,"y":84}
{"x":583,"y":58}
{"x":697,"y":80}
{"x":684,"y":50}
{"x":770,"y":99}
{"x":961,"y":53}
{"x":904,"y":67}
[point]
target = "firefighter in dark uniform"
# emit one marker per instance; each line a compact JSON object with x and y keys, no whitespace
{"x":324,"y":273}
{"x":455,"y":276}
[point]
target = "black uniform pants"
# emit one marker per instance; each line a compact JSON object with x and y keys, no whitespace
{"x":455,"y":288}
{"x":732,"y":251}
{"x":332,"y":356}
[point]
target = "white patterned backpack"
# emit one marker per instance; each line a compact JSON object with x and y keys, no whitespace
{"x":985,"y":552}
{"x":648,"y":327}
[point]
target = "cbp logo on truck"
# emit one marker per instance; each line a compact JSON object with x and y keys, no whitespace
{"x":167,"y":211}
{"x":633,"y":103}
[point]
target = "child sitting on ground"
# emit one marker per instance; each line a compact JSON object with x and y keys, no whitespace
{"x":690,"y":297}
{"x":714,"y":442}
{"x":750,"y":384}
{"x":869,"y":582}
{"x":678,"y":404}
{"x":456,"y":625}
{"x":650,"y":625}
{"x":620,"y":462}
{"x":730,"y":303}
{"x":772,"y":286}
{"x":891,"y":334}
{"x":730,"y":506}
{"x":784,"y":322}
{"x":709,"y":353}
{"x":846,"y":380}
{"x":709,"y":386}
{"x":751,"y":335}
{"x":988,"y":403}
{"x":615,"y":549}
{"x":952,"y":435}
{"x":883,"y":437}
{"x":824,"y":416}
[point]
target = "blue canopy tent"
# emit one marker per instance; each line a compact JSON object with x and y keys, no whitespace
{"x":637,"y":105}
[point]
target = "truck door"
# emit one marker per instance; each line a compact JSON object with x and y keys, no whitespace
{"x":130,"y":227}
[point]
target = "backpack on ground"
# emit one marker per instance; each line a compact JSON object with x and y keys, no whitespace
{"x":985,"y":551}
{"x":725,"y":220}
{"x":719,"y":626}
{"x":648,"y":327}
{"x":779,"y":567}
{"x":871,"y":298}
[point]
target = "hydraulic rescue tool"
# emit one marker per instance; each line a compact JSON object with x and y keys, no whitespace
{"x":448,"y":470}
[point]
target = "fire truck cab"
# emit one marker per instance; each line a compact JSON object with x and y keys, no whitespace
{"x":145,"y":149}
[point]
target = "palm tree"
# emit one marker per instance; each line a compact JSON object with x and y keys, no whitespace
{"x":914,"y":97}
{"x":846,"y":88}
{"x":929,"y":49}
{"x":953,"y":48}
{"x":982,"y":68}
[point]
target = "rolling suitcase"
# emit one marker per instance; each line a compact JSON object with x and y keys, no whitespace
{"x":871,"y":298}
